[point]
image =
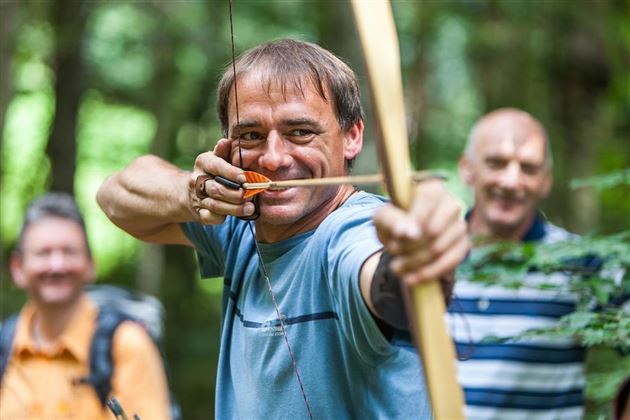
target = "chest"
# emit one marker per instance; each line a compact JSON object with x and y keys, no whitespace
{"x":41,"y":387}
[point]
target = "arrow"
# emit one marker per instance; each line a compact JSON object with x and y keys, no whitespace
{"x":256,"y":183}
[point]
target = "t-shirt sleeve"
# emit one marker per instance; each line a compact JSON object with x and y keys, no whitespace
{"x":207,"y":242}
{"x":351,"y":240}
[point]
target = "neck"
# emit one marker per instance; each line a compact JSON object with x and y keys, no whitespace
{"x":50,"y":322}
{"x":270,"y":233}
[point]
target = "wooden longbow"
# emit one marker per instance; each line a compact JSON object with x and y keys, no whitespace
{"x":377,"y":32}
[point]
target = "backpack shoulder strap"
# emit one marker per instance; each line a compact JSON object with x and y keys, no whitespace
{"x":101,"y":363}
{"x":7,"y":333}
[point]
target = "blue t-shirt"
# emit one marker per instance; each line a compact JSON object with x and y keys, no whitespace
{"x":348,"y":368}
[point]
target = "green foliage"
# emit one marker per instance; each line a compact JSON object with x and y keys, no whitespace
{"x":506,"y":263}
{"x":117,"y":49}
{"x":602,"y":182}
{"x":608,"y":327}
{"x":606,"y":370}
{"x":25,"y":166}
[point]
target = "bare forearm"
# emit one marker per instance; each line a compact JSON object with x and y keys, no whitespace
{"x":148,"y":199}
{"x":383,"y":293}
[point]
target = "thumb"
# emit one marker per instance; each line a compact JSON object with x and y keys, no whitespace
{"x":222,"y":149}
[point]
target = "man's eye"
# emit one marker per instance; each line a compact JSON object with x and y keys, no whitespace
{"x":530,"y":169}
{"x":495,"y":163}
{"x":300,"y":132}
{"x":252,"y":135}
{"x":41,"y":253}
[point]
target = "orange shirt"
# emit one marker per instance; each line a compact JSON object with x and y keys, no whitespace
{"x":41,"y":385}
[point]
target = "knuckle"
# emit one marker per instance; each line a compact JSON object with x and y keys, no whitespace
{"x":213,"y":189}
{"x":454,"y":208}
{"x":204,"y":216}
{"x":211,"y":205}
{"x":436,"y":248}
{"x":242,"y":210}
{"x":199,"y":161}
{"x":432,"y":230}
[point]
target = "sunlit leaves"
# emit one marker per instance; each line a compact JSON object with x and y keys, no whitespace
{"x":109,"y":136}
{"x":602,"y":182}
{"x":25,"y":167}
{"x":116,"y":46}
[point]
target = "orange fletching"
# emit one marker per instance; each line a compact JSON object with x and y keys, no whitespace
{"x":254,"y":178}
{"x":251,"y":193}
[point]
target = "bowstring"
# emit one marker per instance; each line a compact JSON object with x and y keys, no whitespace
{"x":250,"y":225}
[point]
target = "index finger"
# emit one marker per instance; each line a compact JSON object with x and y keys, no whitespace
{"x":215,"y":164}
{"x":200,"y":184}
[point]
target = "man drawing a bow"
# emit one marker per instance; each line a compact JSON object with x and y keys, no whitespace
{"x":310,"y":326}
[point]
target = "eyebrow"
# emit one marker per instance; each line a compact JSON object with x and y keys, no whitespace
{"x":290,"y":122}
{"x":301,"y":121}
{"x":243,"y":124}
{"x":499,"y":157}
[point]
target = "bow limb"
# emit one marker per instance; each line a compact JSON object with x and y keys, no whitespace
{"x":377,"y":31}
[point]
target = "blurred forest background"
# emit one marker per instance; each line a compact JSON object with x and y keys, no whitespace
{"x":87,"y":86}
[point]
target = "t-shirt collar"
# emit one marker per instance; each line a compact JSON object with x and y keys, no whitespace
{"x":75,"y":339}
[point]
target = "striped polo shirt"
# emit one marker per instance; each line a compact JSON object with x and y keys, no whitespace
{"x":533,"y":378}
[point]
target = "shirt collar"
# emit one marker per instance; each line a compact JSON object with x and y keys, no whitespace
{"x":536,"y":230}
{"x":75,"y":339}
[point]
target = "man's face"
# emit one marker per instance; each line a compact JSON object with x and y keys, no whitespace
{"x":54,"y":264}
{"x":290,"y":134}
{"x":507,"y":172}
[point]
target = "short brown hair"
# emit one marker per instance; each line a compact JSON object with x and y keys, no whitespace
{"x":52,"y":204}
{"x":293,"y":62}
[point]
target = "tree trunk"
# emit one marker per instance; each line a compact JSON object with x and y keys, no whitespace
{"x":69,"y":17}
{"x":580,"y":78}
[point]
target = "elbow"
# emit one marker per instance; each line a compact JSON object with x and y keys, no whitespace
{"x":105,"y":198}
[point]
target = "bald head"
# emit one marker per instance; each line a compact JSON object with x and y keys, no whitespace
{"x":507,"y":163}
{"x":508,"y":123}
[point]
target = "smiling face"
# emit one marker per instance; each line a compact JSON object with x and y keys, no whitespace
{"x":54,"y":262}
{"x":291,"y":133}
{"x":506,"y":167}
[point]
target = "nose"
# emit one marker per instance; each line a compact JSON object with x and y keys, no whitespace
{"x":58,"y":261}
{"x":276,"y":154}
{"x":511,"y":176}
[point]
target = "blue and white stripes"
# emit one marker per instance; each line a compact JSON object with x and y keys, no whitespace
{"x":533,"y":378}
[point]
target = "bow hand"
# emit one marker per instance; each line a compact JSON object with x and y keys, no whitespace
{"x":428,"y":240}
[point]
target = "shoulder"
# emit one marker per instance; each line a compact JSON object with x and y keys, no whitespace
{"x":359,"y":207}
{"x":130,"y":338}
{"x":555,"y":233}
{"x":352,"y":221}
{"x":364,"y":199}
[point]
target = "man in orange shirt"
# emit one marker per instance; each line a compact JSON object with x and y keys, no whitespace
{"x":48,"y":373}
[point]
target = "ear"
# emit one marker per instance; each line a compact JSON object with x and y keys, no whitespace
{"x":16,"y":265}
{"x":353,"y":141}
{"x":547,"y":184}
{"x":465,"y":170}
